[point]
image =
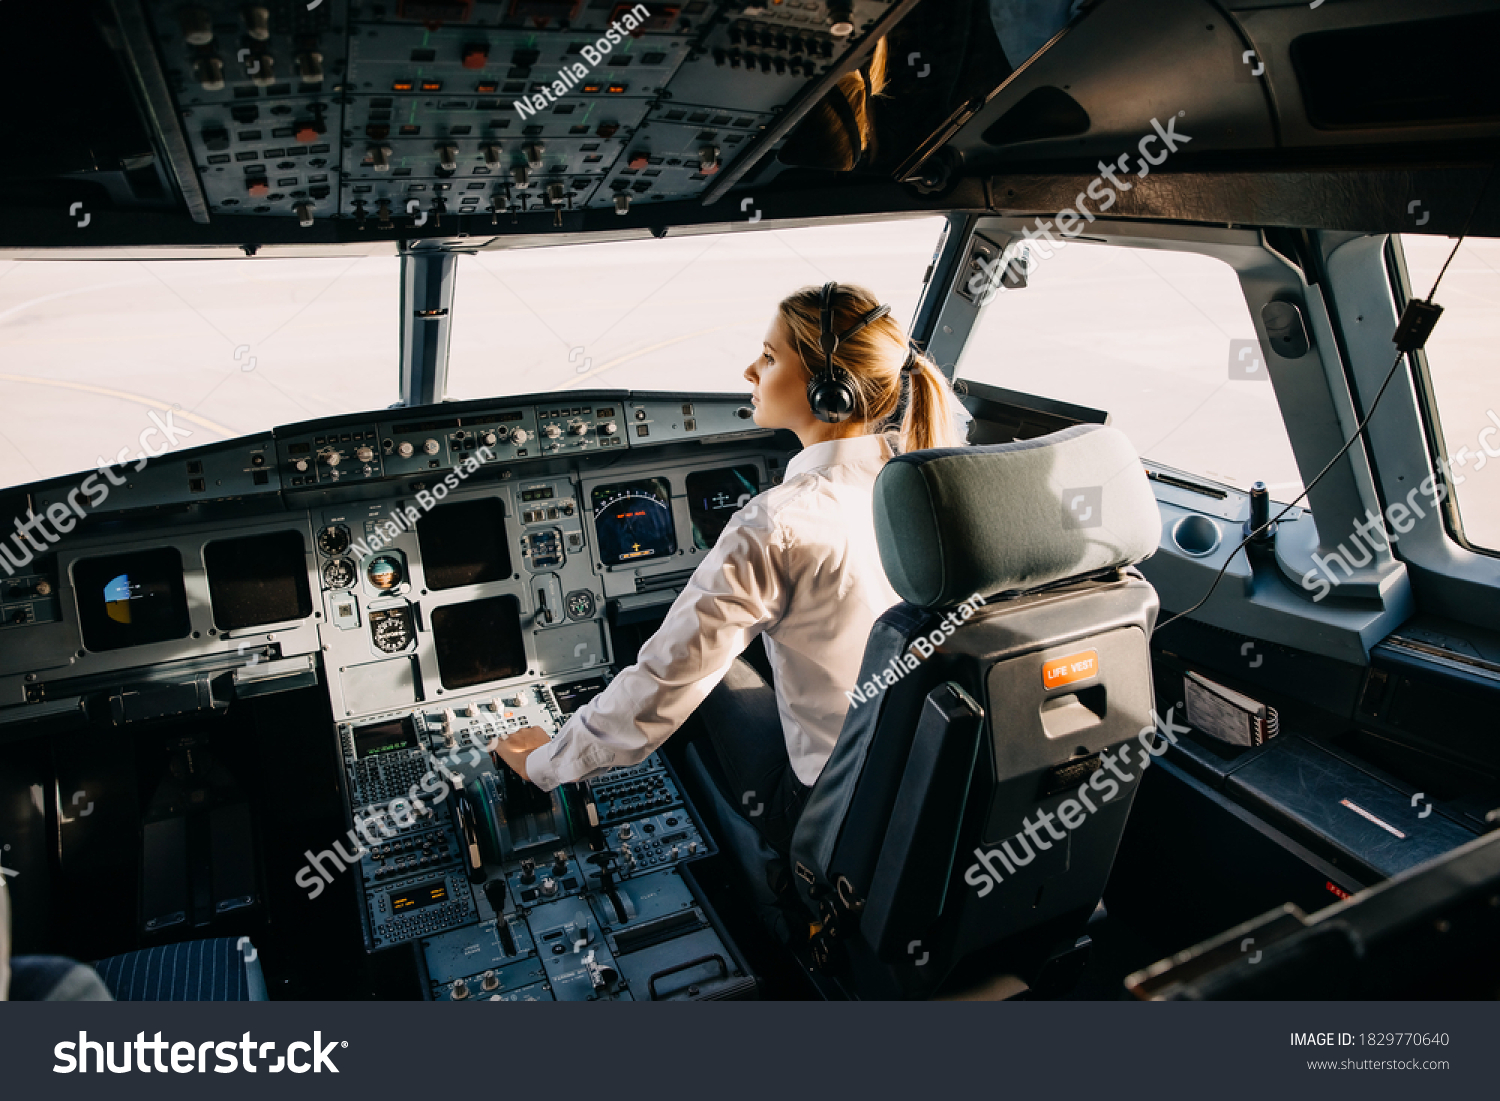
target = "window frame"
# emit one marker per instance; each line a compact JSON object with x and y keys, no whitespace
{"x":1428,"y":416}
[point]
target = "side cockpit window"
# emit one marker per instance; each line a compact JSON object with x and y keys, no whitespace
{"x":1163,"y":341}
{"x":1462,"y":389}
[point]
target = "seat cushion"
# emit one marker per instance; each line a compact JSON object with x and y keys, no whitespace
{"x":225,"y":969}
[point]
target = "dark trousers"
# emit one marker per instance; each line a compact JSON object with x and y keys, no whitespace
{"x":741,"y":724}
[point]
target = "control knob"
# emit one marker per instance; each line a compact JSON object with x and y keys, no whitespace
{"x":579,"y":429}
{"x":300,"y":465}
{"x":528,"y":871}
{"x":405,"y":449}
{"x":333,"y":458}
{"x":430,"y":446}
{"x":364,"y":454}
{"x":552,"y":431}
{"x":549,"y":886}
{"x":625,"y":832}
{"x":518,"y":436}
{"x":460,"y":990}
{"x":489,"y":981}
{"x":559,"y":862}
{"x":611,"y":428}
{"x":489,"y":439}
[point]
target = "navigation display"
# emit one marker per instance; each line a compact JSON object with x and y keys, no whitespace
{"x":258,"y":579}
{"x":131,"y":599}
{"x":634,"y":521}
{"x":716,"y":495}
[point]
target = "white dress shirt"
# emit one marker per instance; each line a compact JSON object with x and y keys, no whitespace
{"x":798,"y":564}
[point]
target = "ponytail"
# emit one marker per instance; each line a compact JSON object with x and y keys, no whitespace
{"x":931,"y":415}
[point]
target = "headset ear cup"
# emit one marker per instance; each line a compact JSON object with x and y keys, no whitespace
{"x":830,"y":396}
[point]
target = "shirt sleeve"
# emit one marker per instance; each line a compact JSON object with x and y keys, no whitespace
{"x":737,"y":592}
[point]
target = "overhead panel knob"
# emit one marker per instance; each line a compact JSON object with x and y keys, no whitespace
{"x":552,"y":431}
{"x":261,"y":68}
{"x":518,"y":436}
{"x":405,"y":449}
{"x":197,"y":26}
{"x":611,"y":428}
{"x":257,"y":22}
{"x":364,"y":454}
{"x":448,"y":157}
{"x":492,"y":154}
{"x":210,"y":73}
{"x":380,"y":158}
{"x":310,"y":67}
{"x":489,"y":439}
{"x":521,"y":176}
{"x":579,"y":429}
{"x":333,"y":458}
{"x":431,"y":446}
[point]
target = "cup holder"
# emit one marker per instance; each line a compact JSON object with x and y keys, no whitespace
{"x":1196,"y":535}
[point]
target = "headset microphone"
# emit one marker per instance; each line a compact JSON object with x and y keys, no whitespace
{"x":830,"y":391}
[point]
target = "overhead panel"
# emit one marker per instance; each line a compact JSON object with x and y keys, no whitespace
{"x":402,"y":114}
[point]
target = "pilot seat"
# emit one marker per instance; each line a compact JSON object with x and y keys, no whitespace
{"x":972,"y":807}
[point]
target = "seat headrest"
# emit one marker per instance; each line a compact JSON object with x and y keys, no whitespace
{"x":951,"y":522}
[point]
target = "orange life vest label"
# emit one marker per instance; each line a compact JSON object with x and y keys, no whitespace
{"x":1074,"y":667}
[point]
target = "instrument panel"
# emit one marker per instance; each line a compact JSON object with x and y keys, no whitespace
{"x":440,"y":604}
{"x":471,"y":566}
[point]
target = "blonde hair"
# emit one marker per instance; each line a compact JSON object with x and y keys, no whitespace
{"x":823,"y":139}
{"x":872,"y":360}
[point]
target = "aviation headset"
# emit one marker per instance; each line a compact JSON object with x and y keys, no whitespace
{"x":830,"y":391}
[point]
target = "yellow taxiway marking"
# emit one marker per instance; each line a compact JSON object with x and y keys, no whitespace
{"x":149,"y":403}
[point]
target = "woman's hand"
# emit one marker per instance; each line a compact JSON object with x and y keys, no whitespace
{"x":515,"y":749}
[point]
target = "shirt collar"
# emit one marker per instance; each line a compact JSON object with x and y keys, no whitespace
{"x":850,"y":452}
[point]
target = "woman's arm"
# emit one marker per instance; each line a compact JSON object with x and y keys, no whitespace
{"x":739,"y":590}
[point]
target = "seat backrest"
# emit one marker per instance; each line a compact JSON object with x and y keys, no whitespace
{"x":978,"y":790}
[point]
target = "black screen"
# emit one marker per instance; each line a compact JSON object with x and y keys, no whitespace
{"x":478,"y":641}
{"x":570,"y":697}
{"x":464,"y":543}
{"x":634,"y":521}
{"x":716,"y":495}
{"x":387,"y":737}
{"x":131,"y":599}
{"x":258,"y":579}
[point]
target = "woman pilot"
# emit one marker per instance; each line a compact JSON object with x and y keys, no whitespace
{"x":797,"y":565}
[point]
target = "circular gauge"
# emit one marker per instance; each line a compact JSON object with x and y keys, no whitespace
{"x":333,"y":539}
{"x":384,"y":572}
{"x":391,"y":629}
{"x":339,"y":573}
{"x":580,"y":604}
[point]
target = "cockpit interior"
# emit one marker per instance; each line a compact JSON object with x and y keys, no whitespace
{"x":378,"y":370}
